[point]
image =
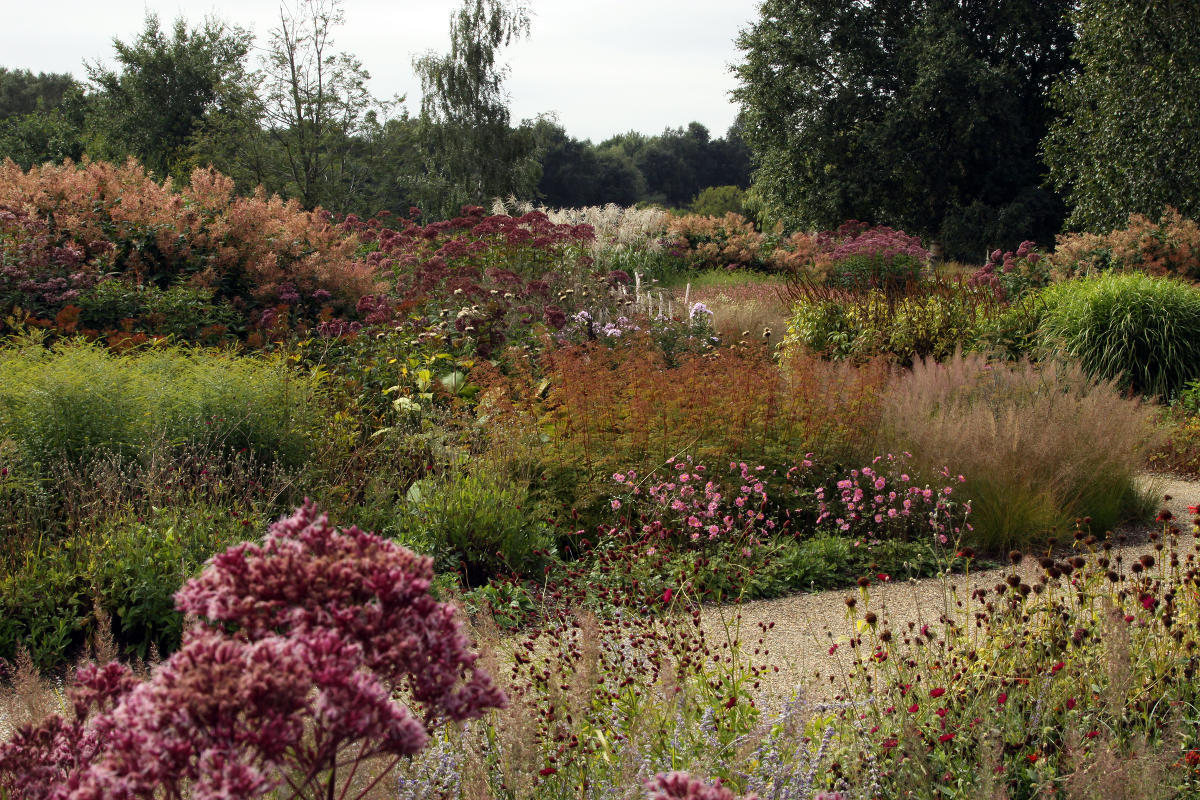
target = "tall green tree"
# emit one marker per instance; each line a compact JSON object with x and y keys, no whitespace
{"x":922,"y":114}
{"x":472,"y":152}
{"x":1128,"y":138}
{"x":317,"y":103}
{"x":41,"y":117}
{"x":167,"y":86}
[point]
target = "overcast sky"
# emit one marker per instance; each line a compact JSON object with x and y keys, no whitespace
{"x":602,"y":66}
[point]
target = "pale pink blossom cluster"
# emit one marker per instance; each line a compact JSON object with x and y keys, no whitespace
{"x":682,"y":786}
{"x":881,"y":501}
{"x":690,"y":505}
{"x":305,"y":646}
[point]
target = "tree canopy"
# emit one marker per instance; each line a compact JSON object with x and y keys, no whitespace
{"x":167,"y":86}
{"x":1128,"y":138}
{"x":921,"y":114}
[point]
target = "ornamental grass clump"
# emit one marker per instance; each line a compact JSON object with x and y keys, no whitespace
{"x":1140,"y":331}
{"x":1041,"y":445}
{"x":78,"y":401}
{"x":317,"y":652}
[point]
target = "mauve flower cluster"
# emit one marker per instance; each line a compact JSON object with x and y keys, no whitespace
{"x":307,"y":641}
{"x":1010,"y":275}
{"x":681,"y":786}
{"x":39,"y":272}
{"x":881,"y":243}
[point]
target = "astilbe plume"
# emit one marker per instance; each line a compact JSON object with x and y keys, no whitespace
{"x":292,"y":675}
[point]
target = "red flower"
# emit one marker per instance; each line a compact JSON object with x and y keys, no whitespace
{"x":1003,"y":698}
{"x":945,"y":737}
{"x":1149,"y":603}
{"x":1057,"y":667}
{"x":833,"y":649}
{"x":913,"y":708}
{"x":667,"y":595}
{"x":889,"y":743}
{"x":1092,"y":734}
{"x":937,"y":692}
{"x":1033,"y":757}
{"x":545,"y":771}
{"x":1070,"y":703}
{"x":883,"y":577}
{"x":941,"y":712}
{"x":731,"y":702}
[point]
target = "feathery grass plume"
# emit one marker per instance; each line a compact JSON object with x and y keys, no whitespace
{"x":616,"y":226}
{"x":1042,"y":445}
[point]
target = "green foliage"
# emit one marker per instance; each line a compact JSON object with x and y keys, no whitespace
{"x":932,"y":321}
{"x":925,"y":117}
{"x":1141,"y":331}
{"x":477,"y":523}
{"x":471,"y":154}
{"x":77,"y":402}
{"x":167,"y":87}
{"x":127,"y":567}
{"x":717,"y":201}
{"x":183,"y":311}
{"x":41,"y":117}
{"x":1127,"y":136}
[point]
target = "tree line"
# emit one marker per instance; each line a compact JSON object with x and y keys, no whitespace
{"x":302,"y":123}
{"x":971,"y":123}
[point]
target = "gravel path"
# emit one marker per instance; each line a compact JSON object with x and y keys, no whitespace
{"x":806,"y":625}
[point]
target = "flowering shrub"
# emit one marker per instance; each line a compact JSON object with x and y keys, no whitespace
{"x":482,"y":283}
{"x":1170,"y":246}
{"x":689,"y":505}
{"x":66,"y":229}
{"x":732,"y":241}
{"x":882,"y":501}
{"x":289,"y":678}
{"x":611,"y":410}
{"x":1010,"y":275}
{"x":857,"y":257}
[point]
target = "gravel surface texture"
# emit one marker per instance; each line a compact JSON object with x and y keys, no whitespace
{"x":806,"y":625}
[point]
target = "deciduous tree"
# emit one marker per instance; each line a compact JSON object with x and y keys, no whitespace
{"x":1128,"y":138}
{"x":921,"y":114}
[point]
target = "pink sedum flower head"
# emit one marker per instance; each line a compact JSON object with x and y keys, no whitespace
{"x":304,"y":642}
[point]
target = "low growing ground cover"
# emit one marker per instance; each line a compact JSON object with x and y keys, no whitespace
{"x":589,"y":425}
